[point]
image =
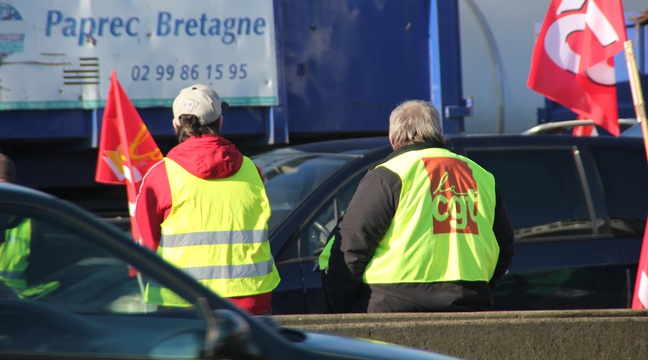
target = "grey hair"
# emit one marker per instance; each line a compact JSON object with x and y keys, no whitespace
{"x":415,"y":121}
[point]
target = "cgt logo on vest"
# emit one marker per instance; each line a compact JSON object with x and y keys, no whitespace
{"x":454,"y":196}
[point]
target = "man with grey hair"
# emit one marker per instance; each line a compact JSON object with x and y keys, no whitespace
{"x":425,"y":231}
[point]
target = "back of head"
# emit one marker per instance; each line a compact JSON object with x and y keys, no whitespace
{"x":415,"y":122}
{"x":7,"y":169}
{"x":197,"y":111}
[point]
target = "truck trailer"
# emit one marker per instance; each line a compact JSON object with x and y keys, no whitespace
{"x":293,"y":71}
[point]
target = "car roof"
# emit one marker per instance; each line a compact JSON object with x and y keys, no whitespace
{"x":381,"y":143}
{"x":17,"y":193}
{"x":536,"y":140}
{"x":344,"y":145}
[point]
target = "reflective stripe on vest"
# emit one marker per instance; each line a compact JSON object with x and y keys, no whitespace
{"x":217,"y":232}
{"x":216,"y":238}
{"x":230,"y":271}
{"x":443,"y":227}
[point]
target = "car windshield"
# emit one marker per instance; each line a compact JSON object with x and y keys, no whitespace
{"x":290,"y":176}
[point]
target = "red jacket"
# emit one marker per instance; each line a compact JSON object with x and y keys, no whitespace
{"x":207,"y":157}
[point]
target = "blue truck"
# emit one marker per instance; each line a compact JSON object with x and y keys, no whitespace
{"x":342,"y":66}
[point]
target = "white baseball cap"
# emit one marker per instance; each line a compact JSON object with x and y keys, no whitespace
{"x":199,"y":100}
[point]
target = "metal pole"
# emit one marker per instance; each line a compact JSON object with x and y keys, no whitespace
{"x":637,"y":95}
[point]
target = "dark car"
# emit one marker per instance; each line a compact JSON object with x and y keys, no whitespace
{"x":578,"y":206}
{"x":83,"y":298}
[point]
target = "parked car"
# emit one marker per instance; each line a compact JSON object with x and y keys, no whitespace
{"x":578,"y":206}
{"x":84,"y":299}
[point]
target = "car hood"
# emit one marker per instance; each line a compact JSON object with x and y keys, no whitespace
{"x":356,"y":348}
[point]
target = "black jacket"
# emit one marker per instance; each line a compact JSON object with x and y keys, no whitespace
{"x":357,"y":235}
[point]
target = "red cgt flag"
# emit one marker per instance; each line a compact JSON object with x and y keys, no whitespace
{"x":573,"y":58}
{"x":126,"y":148}
{"x":640,"y":298}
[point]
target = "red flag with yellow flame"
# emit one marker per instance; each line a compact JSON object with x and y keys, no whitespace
{"x":126,"y":148}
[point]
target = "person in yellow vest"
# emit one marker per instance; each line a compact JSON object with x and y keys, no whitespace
{"x":15,"y":248}
{"x":426,"y":230}
{"x":204,"y":209}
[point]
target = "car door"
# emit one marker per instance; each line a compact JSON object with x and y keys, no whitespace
{"x":566,"y":256}
{"x":300,"y":253}
{"x":73,"y":286}
{"x":622,"y":193}
{"x":298,"y":184}
{"x":323,"y":183}
{"x":315,"y":233}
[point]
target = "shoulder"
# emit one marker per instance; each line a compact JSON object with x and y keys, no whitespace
{"x":380,"y":179}
{"x":156,"y":175}
{"x":382,"y":174}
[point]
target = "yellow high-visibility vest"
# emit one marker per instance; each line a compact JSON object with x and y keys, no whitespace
{"x":14,"y":255}
{"x":14,"y":262}
{"x":443,"y":227}
{"x":217,"y":232}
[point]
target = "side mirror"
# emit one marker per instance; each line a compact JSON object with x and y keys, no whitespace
{"x":228,"y":334}
{"x":233,"y":333}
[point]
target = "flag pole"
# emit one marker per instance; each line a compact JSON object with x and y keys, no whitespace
{"x":637,"y":95}
{"x":641,"y":287}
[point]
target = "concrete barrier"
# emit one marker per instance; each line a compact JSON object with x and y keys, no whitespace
{"x":581,"y":334}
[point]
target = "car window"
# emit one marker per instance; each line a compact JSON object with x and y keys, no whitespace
{"x":542,"y":190}
{"x":624,"y":175}
{"x":61,"y":292}
{"x":319,"y":227}
{"x":64,"y":269}
{"x":291,"y":176}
